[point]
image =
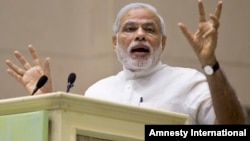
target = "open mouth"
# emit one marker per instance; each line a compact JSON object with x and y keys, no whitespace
{"x":140,"y":50}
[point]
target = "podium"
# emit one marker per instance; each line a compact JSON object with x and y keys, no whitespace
{"x":62,"y":116}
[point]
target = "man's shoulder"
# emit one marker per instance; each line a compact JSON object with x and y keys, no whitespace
{"x":102,"y":85}
{"x":108,"y":79}
{"x":177,"y":70}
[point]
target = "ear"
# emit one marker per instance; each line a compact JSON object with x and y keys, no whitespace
{"x":114,"y":41}
{"x":163,"y":40}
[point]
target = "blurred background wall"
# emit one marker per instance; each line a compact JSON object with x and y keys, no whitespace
{"x":76,"y":35}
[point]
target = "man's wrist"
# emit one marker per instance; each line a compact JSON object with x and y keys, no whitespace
{"x":211,"y":69}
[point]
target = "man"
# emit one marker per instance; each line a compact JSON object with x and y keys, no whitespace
{"x":139,"y":39}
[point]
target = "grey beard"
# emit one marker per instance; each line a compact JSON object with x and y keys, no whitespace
{"x":135,"y":63}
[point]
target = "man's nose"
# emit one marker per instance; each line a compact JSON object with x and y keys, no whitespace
{"x":140,"y":35}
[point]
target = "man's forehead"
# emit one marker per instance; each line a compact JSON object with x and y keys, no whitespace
{"x":140,"y":15}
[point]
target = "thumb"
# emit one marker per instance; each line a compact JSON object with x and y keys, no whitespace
{"x":48,"y":86}
{"x":186,"y":32}
{"x":47,"y":67}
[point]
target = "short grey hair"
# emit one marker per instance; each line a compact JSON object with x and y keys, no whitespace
{"x":131,"y":6}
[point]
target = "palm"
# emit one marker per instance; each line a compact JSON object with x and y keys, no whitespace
{"x":205,"y":46}
{"x":30,"y":78}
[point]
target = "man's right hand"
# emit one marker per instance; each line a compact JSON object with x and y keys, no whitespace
{"x":29,"y":75}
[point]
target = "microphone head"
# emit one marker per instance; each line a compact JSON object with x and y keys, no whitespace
{"x":71,"y":78}
{"x":43,"y":79}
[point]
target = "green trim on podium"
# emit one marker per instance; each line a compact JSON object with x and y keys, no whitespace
{"x":31,"y":126}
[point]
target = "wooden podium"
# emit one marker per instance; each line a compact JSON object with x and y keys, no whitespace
{"x":73,"y":117}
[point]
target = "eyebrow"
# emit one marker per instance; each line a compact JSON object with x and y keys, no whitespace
{"x":150,"y":23}
{"x":129,"y":22}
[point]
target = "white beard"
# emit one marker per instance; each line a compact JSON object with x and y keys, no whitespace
{"x":138,"y":63}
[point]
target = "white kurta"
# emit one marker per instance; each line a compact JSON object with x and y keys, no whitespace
{"x":164,"y":87}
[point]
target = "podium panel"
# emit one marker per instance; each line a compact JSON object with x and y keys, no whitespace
{"x":73,"y":117}
{"x":32,"y":126}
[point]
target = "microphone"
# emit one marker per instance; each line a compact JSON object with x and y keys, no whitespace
{"x":42,"y":80}
{"x":71,"y":80}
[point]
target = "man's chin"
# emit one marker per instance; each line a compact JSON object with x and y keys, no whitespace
{"x":138,"y":68}
{"x":137,"y":65}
